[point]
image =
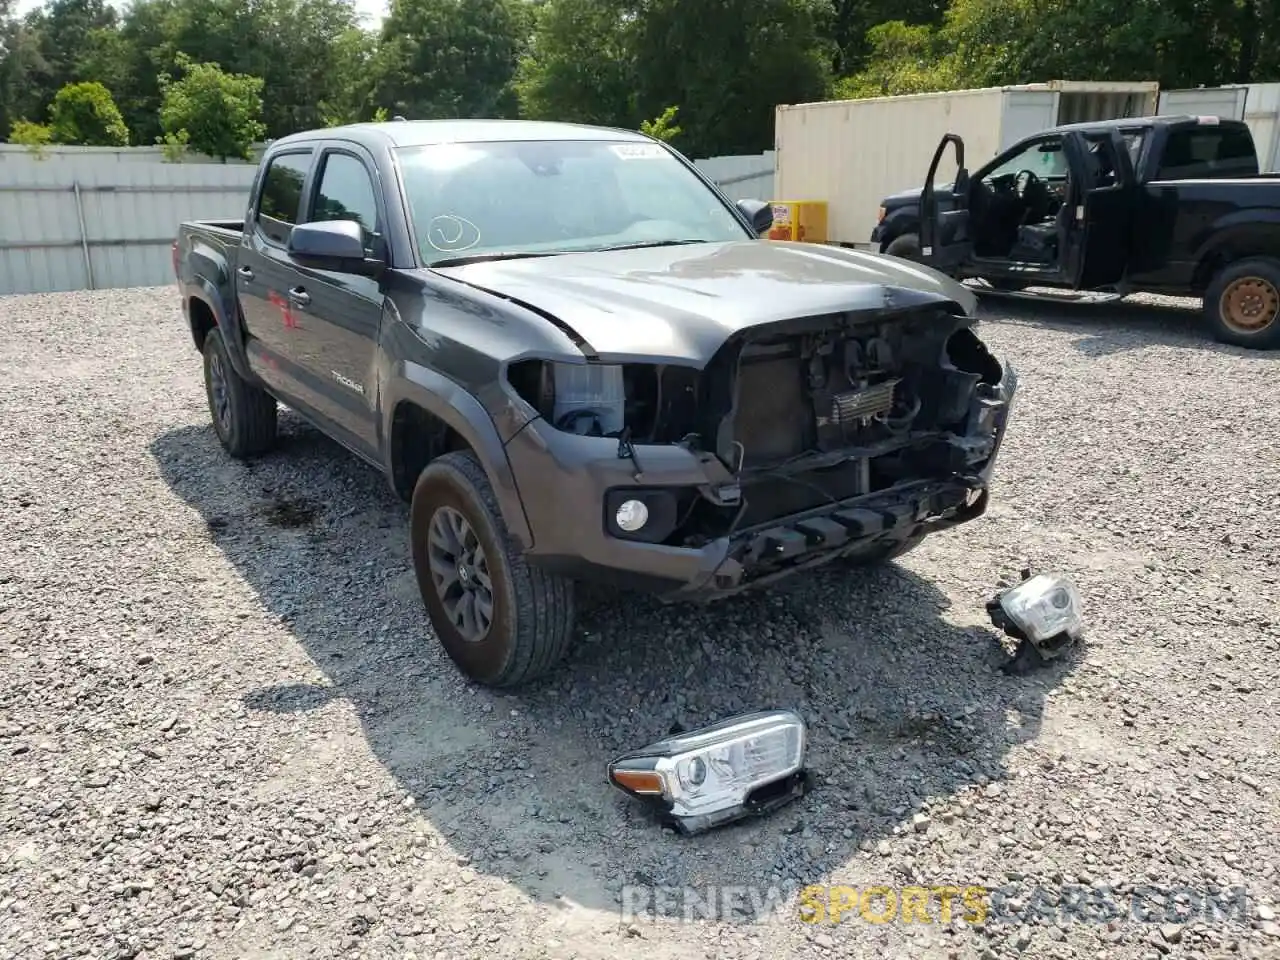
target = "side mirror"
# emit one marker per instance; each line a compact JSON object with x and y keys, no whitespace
{"x":961,"y":186}
{"x":336,"y":245}
{"x":758,"y":212}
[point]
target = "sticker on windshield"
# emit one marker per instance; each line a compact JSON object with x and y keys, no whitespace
{"x":639,"y":151}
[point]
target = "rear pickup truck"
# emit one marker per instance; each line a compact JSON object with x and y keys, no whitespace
{"x":1171,"y":205}
{"x":575,"y":359}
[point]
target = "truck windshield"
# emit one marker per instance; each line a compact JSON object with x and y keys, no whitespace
{"x":555,"y":196}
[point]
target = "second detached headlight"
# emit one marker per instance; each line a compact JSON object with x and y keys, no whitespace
{"x":1044,"y":607}
{"x":746,"y":765}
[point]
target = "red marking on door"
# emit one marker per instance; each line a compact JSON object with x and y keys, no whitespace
{"x":286,"y":311}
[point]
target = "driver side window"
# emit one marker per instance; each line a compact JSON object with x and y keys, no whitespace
{"x":1045,"y":158}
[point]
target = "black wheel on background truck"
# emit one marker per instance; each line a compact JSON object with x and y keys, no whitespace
{"x":502,"y":621}
{"x":906,"y":246}
{"x":1242,"y":303}
{"x":244,"y":416}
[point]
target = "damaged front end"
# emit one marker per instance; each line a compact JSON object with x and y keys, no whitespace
{"x":851,"y":434}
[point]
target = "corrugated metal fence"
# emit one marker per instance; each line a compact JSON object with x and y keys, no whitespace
{"x":88,"y":224}
{"x":746,"y":177}
{"x":94,"y":218}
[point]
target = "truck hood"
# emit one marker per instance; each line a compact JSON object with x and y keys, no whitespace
{"x":904,"y":197}
{"x":679,"y":304}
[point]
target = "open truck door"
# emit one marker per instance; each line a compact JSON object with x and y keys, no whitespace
{"x":945,"y":237}
{"x":1102,"y":191}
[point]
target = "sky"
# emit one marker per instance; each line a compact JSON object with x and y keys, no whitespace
{"x":372,"y":10}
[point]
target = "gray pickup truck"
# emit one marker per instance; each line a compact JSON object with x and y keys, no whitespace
{"x":575,"y":358}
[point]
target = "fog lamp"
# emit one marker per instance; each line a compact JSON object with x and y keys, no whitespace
{"x":744,"y":766}
{"x":631,"y":515}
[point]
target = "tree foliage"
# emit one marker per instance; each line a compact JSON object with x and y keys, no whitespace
{"x":724,"y":64}
{"x":215,"y":113}
{"x":34,"y":136}
{"x":444,"y":59}
{"x":85,"y":114}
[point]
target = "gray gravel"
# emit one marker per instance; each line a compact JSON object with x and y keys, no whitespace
{"x":226,"y":731}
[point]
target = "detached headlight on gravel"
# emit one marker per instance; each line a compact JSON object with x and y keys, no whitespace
{"x":1043,"y":607}
{"x":744,"y":766}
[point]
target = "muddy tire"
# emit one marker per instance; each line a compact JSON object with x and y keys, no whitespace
{"x":906,"y":246}
{"x":501,"y":621}
{"x":244,"y":415}
{"x":1242,"y":304}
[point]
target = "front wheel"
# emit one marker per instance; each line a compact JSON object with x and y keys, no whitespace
{"x":500,"y":620}
{"x":906,"y":246}
{"x":1242,"y":304}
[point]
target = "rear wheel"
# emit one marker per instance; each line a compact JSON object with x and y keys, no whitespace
{"x":244,"y":415}
{"x":1242,"y":304}
{"x":500,"y":620}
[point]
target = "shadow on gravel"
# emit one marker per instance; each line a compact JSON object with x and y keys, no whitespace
{"x":904,"y":698}
{"x":1110,"y":328}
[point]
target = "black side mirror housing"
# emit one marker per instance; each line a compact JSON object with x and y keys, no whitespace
{"x":758,"y":212}
{"x":336,"y":245}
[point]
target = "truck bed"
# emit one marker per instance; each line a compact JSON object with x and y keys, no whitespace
{"x":226,"y":228}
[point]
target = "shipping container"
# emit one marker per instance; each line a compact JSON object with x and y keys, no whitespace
{"x":853,"y":153}
{"x":1257,"y":104}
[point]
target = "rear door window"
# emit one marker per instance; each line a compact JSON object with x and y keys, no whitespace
{"x":281,"y":197}
{"x":1207,"y":152}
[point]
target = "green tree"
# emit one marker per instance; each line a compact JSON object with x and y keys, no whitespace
{"x":34,"y":136}
{"x":901,"y":59}
{"x":85,"y":114}
{"x":580,"y":65}
{"x":67,"y":33}
{"x":302,"y":50}
{"x":727,"y":64}
{"x":450,"y":58}
{"x":662,"y":127}
{"x":22,"y":66}
{"x":215,"y":113}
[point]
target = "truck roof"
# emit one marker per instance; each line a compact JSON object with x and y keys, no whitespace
{"x":1171,"y":120}
{"x":416,"y":133}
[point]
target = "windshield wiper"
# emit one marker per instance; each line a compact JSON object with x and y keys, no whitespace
{"x":485,"y":257}
{"x":638,"y":244}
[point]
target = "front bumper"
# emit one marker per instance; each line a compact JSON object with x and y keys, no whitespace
{"x":564,"y":481}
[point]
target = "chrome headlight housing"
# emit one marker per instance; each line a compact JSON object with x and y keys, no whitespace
{"x":743,"y":766}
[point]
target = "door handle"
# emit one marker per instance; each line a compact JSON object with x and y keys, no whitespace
{"x":245,"y":272}
{"x":299,"y":296}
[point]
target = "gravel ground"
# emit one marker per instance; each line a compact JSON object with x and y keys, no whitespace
{"x":227,"y":732}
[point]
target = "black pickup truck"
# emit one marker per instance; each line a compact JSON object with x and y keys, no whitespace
{"x":575,"y":358}
{"x":1170,"y":205}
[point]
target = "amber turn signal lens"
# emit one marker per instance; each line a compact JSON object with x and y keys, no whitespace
{"x":639,"y":781}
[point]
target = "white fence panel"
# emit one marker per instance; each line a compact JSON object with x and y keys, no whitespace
{"x":76,"y":225}
{"x":12,"y":153}
{"x":742,"y":177}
